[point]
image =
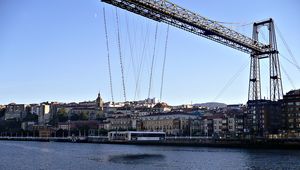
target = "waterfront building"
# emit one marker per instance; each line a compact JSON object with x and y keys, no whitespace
{"x":173,"y":123}
{"x":80,"y":127}
{"x":122,"y":123}
{"x":44,"y":130}
{"x":34,"y":109}
{"x":15,"y":111}
{"x":291,"y":109}
{"x":223,"y":125}
{"x":44,"y":114}
{"x":263,"y":117}
{"x":28,"y":126}
{"x":218,"y":124}
{"x":196,"y":127}
{"x":237,"y":129}
{"x":208,"y":128}
{"x":104,"y":125}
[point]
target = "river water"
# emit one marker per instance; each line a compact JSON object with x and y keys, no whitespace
{"x":52,"y":155}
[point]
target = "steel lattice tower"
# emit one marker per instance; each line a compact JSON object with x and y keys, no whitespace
{"x":276,"y":90}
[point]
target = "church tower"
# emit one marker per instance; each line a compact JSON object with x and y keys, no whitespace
{"x":99,"y":102}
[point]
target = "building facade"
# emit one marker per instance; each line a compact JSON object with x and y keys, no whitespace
{"x":263,"y":117}
{"x":44,"y":114}
{"x":15,"y":111}
{"x":291,"y":109}
{"x":176,"y":124}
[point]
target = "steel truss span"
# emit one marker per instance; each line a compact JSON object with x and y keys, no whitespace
{"x":167,"y":12}
{"x":172,"y":14}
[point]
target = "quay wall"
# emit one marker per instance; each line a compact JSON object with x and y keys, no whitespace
{"x":247,"y":144}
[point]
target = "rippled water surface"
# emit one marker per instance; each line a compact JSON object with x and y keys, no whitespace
{"x":51,"y":155}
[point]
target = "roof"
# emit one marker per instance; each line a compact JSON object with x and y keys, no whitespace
{"x":173,"y":113}
{"x":161,"y":105}
{"x":294,"y":92}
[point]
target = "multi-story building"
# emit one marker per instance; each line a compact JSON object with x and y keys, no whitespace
{"x":239,"y":125}
{"x":173,"y":123}
{"x":218,"y":124}
{"x":28,"y":125}
{"x":15,"y":111}
{"x":196,"y":127}
{"x":161,"y":107}
{"x":263,"y":117}
{"x":44,"y":114}
{"x":122,"y":123}
{"x":291,"y":109}
{"x":207,"y":126}
{"x":34,"y":109}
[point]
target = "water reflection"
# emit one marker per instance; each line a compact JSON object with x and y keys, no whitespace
{"x":37,"y":155}
{"x":136,"y":158}
{"x":271,"y":159}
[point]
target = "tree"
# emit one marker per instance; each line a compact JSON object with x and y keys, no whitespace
{"x":80,"y":116}
{"x":62,"y":115}
{"x":74,"y":117}
{"x":83,"y":116}
{"x":2,"y":112}
{"x":31,"y":117}
{"x":10,"y":126}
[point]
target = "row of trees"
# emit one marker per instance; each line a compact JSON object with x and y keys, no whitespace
{"x":62,"y":116}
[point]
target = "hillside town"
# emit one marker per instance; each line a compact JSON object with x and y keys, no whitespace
{"x":256,"y":119}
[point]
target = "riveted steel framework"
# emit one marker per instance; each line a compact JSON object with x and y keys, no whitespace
{"x":172,"y":14}
{"x":276,"y":90}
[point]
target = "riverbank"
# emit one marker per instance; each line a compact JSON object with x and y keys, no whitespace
{"x":249,"y":144}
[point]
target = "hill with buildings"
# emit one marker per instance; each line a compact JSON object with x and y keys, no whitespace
{"x":211,"y":105}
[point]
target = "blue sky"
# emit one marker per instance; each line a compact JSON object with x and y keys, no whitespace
{"x":55,"y":51}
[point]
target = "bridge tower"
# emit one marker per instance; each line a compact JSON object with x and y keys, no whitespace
{"x":276,"y":90}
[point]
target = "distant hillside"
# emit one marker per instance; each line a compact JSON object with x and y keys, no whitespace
{"x":211,"y":105}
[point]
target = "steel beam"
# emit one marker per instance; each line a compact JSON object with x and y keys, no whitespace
{"x":170,"y":13}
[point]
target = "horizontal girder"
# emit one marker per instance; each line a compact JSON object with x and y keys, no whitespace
{"x":167,"y":12}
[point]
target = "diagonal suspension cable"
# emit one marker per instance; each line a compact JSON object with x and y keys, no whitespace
{"x":295,"y":65}
{"x":152,"y":63}
{"x":120,"y":54}
{"x":287,"y":47}
{"x":288,"y":77}
{"x":164,"y":63}
{"x":231,"y":80}
{"x":108,"y":57}
{"x":141,"y":63}
{"x":130,"y":48}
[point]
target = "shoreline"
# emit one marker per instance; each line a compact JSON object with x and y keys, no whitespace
{"x":242,"y":144}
